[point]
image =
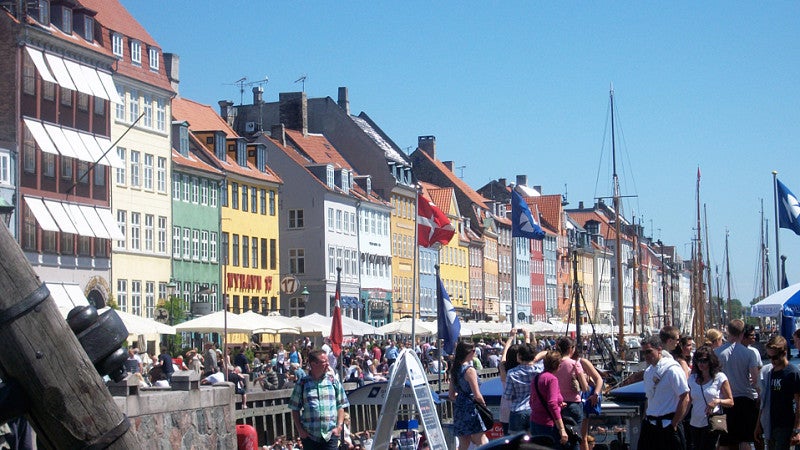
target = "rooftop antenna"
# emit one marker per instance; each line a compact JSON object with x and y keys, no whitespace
{"x":240,"y":82}
{"x":461,"y":168}
{"x":302,"y":79}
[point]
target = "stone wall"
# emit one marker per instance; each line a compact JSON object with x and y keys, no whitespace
{"x":195,"y":419}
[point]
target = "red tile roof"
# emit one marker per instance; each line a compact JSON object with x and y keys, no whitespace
{"x":112,"y":16}
{"x":318,"y":149}
{"x":441,"y":197}
{"x":200,"y":117}
{"x":549,"y":207}
{"x":457,"y":182}
{"x":192,"y":160}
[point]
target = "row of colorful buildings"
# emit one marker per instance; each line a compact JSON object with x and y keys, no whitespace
{"x":119,"y":189}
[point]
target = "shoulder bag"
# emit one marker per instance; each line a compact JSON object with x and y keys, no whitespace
{"x":573,"y":432}
{"x":484,"y":413}
{"x":717,"y":423}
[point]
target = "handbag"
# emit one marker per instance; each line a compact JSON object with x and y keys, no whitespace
{"x":485,"y":414}
{"x":570,"y":426}
{"x":588,"y":408}
{"x":717,"y":423}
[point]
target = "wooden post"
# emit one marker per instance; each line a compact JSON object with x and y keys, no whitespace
{"x":69,"y":405}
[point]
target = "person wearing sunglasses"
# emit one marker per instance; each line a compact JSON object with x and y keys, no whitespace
{"x":779,"y":419}
{"x":710,"y":392}
{"x":667,"y":392}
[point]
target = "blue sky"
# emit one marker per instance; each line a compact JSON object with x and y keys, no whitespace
{"x":514,"y":88}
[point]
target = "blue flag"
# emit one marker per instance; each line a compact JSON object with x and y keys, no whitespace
{"x":522,"y":223}
{"x":449,"y":325}
{"x":788,"y":209}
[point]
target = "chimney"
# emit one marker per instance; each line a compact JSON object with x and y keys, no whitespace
{"x":448,"y":164}
{"x":538,"y":189}
{"x":502,"y":182}
{"x":580,"y":204}
{"x":278,"y":132}
{"x":171,"y":66}
{"x":258,"y":95}
{"x":344,"y":100}
{"x":428,"y":145}
{"x":226,"y":110}
{"x":522,"y":180}
{"x":294,"y":111}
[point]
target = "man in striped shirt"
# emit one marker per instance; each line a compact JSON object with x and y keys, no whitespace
{"x":317,"y":404}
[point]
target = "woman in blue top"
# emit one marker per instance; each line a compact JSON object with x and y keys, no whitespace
{"x":465,"y":392}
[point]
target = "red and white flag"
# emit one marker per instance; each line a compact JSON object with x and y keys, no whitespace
{"x":432,"y":224}
{"x":337,"y":335}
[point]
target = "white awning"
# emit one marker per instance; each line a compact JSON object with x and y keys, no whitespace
{"x":111,"y":89}
{"x":94,"y":221}
{"x":111,"y":156}
{"x":60,"y":71}
{"x":74,"y":212}
{"x":93,"y":148}
{"x":60,"y":140}
{"x":61,"y":217}
{"x":111,"y":223}
{"x":38,"y":61}
{"x":77,"y":145}
{"x":76,"y":73}
{"x":42,"y":215}
{"x":94,"y":81}
{"x":40,"y":136}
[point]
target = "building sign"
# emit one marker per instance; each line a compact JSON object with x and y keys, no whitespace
{"x":247,"y":282}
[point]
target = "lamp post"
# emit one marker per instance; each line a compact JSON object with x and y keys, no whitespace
{"x":170,"y":293}
{"x":305,"y":294}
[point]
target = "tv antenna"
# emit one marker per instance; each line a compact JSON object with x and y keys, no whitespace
{"x":302,"y":79}
{"x":461,"y":168}
{"x":242,"y":83}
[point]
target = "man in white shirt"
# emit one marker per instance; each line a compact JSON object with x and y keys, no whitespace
{"x":668,"y":399}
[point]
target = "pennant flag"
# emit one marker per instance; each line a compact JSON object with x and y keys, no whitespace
{"x":788,"y":209}
{"x":522,"y":223}
{"x":449,"y":325}
{"x":432,"y":224}
{"x":337,"y":336}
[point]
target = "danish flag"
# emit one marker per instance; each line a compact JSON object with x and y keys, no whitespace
{"x":432,"y":224}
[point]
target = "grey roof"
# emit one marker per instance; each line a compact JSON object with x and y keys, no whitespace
{"x":388,"y":150}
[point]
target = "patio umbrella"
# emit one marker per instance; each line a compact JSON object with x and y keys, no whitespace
{"x":403,"y":326}
{"x":140,"y":325}
{"x":269,"y":324}
{"x":773,"y":305}
{"x":215,"y":323}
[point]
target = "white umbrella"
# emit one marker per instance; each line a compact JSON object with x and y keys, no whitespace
{"x":269,"y":324}
{"x":403,"y":326}
{"x":774,"y":304}
{"x":215,"y":323}
{"x":140,"y":325}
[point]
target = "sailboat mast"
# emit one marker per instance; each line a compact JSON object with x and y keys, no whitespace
{"x":700,"y":316}
{"x":711,"y":309}
{"x":764,"y":255}
{"x":728,"y":277}
{"x":618,"y":240}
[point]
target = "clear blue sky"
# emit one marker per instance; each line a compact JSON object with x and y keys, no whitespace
{"x":514,"y":88}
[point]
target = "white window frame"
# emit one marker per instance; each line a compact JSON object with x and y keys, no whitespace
{"x":121,"y":175}
{"x":176,"y":186}
{"x":147,"y":108}
{"x":149,"y":298}
{"x":136,"y":52}
{"x":148,"y":171}
{"x":117,"y":44}
{"x":195,"y":245}
{"x":161,"y":174}
{"x":162,"y":235}
{"x":5,"y":167}
{"x":212,"y":247}
{"x":176,"y":242}
{"x":133,"y":106}
{"x":136,"y":182}
{"x":136,"y":297}
{"x":122,"y":224}
{"x":149,"y":220}
{"x":187,"y":249}
{"x":161,"y":114}
{"x":122,"y":294}
{"x":204,"y":246}
{"x":122,"y":107}
{"x":136,"y":231}
{"x":195,"y":190}
{"x":153,"y":55}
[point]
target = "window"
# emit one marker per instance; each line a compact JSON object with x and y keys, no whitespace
{"x":254,"y":250}
{"x":204,"y":192}
{"x":161,"y":174}
{"x":330,"y":219}
{"x":161,"y":115}
{"x":135,"y":182}
{"x":176,"y":242}
{"x":244,"y":198}
{"x":66,"y":20}
{"x":272,"y":203}
{"x":195,"y":190}
{"x":196,"y":245}
{"x":99,"y":106}
{"x":187,"y":189}
{"x":49,"y":90}
{"x":28,"y":76}
{"x":187,"y":250}
{"x":297,"y":261}
{"x":245,"y":251}
{"x":83,"y":171}
{"x":263,"y":201}
{"x":148,"y":232}
{"x":263,"y":254}
{"x":122,"y":295}
{"x":121,"y":171}
{"x":116,"y":44}
{"x":120,"y":109}
{"x":66,"y":96}
{"x":99,"y":175}
{"x":49,"y":164}
{"x":147,"y":106}
{"x":296,"y":219}
{"x":153,"y":57}
{"x":88,"y":28}
{"x":136,"y":52}
{"x":44,"y":12}
{"x":135,"y":231}
{"x":136,"y":298}
{"x":122,"y":224}
{"x":235,"y":251}
{"x":29,"y":150}
{"x":338,"y":220}
{"x":176,"y":186}
{"x":212,"y":244}
{"x":330,"y":179}
{"x":235,"y":195}
{"x":133,"y":107}
{"x":213,"y":200}
{"x":331,"y":261}
{"x":150,"y":298}
{"x":273,"y":254}
{"x":162,"y":235}
{"x":204,"y":246}
{"x":148,"y":171}
{"x":5,"y":167}
{"x":253,"y":200}
{"x":29,"y":230}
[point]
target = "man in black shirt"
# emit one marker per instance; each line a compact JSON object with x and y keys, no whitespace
{"x":779,"y":418}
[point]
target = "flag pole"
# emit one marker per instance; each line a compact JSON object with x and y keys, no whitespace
{"x":777,"y":227}
{"x":414,"y":274}
{"x":513,"y":282}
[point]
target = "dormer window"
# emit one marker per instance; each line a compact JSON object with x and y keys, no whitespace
{"x":116,"y":44}
{"x":330,"y":176}
{"x":136,"y":52}
{"x":153,"y":56}
{"x":66,"y":20}
{"x":345,"y":180}
{"x":88,"y":28}
{"x":40,"y":11}
{"x":184,"y":139}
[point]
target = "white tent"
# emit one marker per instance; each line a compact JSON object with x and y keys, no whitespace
{"x":140,"y":325}
{"x":403,"y":326}
{"x":269,"y":324}
{"x":775,"y":304}
{"x":215,"y":323}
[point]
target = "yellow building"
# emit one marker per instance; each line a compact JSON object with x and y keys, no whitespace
{"x":403,"y":222}
{"x":249,"y":218}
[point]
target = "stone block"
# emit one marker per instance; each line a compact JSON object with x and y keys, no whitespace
{"x":126,"y":387}
{"x":185,"y":380}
